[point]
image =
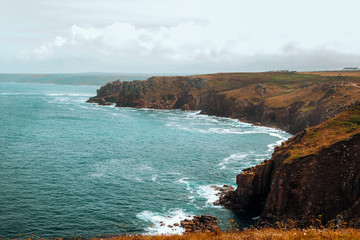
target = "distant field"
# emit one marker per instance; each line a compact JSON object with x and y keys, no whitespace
{"x":334,"y":73}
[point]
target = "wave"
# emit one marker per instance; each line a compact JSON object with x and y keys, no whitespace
{"x":232,"y":158}
{"x":15,"y":94}
{"x":69,"y":94}
{"x":228,"y":130}
{"x":210,"y":193}
{"x":154,"y":178}
{"x":66,"y":100}
{"x":187,"y":183}
{"x":161,"y":221}
{"x":272,"y":146}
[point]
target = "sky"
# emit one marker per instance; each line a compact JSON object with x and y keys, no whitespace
{"x":178,"y":36}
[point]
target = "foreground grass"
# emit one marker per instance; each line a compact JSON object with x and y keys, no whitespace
{"x":267,"y":233}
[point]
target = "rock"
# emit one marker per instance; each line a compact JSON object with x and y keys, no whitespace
{"x":224,"y":191}
{"x":252,"y":101}
{"x":321,"y":186}
{"x":170,"y":226}
{"x":203,"y":223}
{"x":176,"y":224}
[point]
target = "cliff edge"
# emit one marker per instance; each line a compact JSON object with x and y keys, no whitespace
{"x":312,"y":179}
{"x":289,"y":101}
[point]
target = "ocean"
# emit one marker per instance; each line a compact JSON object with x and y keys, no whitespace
{"x":70,"y":168}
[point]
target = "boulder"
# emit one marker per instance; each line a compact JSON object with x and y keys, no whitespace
{"x":203,"y":223}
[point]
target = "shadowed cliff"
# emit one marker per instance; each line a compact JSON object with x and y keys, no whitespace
{"x":312,"y":179}
{"x":289,"y":101}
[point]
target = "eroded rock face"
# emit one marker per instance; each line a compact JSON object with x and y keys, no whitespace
{"x":203,"y":223}
{"x":156,"y":92}
{"x":321,"y":188}
{"x":255,"y":102}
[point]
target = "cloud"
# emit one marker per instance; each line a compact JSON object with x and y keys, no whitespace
{"x":186,"y":41}
{"x":154,"y":34}
{"x":44,"y":52}
{"x":187,"y":45}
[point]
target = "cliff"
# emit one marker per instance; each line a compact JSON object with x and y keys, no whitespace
{"x":312,"y":179}
{"x":289,"y":101}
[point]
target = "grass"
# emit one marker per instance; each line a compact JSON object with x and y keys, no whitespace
{"x":256,"y":234}
{"x":307,"y":109}
{"x":250,"y":234}
{"x":333,"y":130}
{"x":335,"y":73}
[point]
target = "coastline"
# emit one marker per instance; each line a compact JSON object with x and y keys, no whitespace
{"x":267,"y":105}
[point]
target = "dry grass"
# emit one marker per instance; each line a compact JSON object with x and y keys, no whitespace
{"x":327,"y":133}
{"x":262,"y":234}
{"x":334,"y":73}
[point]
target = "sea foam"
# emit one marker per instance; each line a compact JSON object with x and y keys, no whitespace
{"x":161,"y":221}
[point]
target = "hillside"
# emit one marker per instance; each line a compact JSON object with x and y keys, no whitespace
{"x":312,"y":179}
{"x":290,"y":101}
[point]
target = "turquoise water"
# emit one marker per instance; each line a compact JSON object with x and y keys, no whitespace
{"x":70,"y":168}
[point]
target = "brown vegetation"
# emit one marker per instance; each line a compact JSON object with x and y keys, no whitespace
{"x":340,"y":127}
{"x":334,"y":73}
{"x":257,"y":234}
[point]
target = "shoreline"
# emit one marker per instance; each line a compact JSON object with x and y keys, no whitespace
{"x":219,"y":189}
{"x":288,"y":101}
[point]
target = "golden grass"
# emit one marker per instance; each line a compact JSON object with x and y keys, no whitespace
{"x":334,"y":73}
{"x":327,"y":133}
{"x":256,"y":234}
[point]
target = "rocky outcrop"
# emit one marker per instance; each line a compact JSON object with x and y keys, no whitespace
{"x":292,"y":106}
{"x":287,"y":118}
{"x":156,"y":92}
{"x":304,"y":184}
{"x":203,"y":223}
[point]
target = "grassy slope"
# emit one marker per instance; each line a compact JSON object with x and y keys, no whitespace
{"x":282,"y":89}
{"x":335,"y":73}
{"x":327,"y":133}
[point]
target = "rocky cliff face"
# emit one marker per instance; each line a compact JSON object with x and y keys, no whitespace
{"x":291,"y":106}
{"x":312,"y":179}
{"x":314,"y":176}
{"x":156,"y":92}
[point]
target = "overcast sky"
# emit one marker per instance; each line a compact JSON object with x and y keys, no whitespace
{"x":178,"y":36}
